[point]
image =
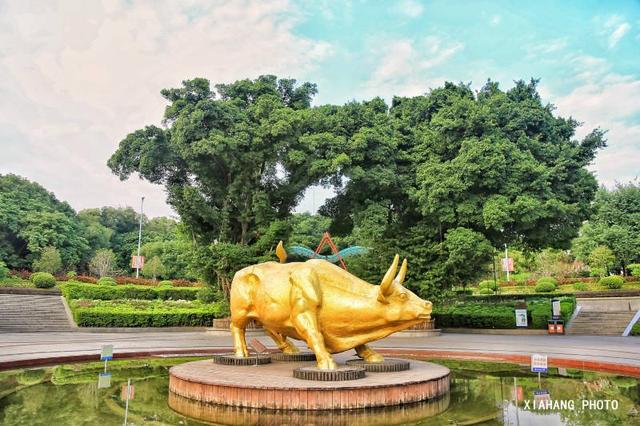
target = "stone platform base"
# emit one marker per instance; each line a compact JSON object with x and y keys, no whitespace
{"x":385,"y":416}
{"x":272,"y":386}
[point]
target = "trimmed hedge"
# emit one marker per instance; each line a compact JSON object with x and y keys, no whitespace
{"x":127,"y":317}
{"x":107,"y":281}
{"x":499,"y":315}
{"x":72,"y":290}
{"x":545,"y":287}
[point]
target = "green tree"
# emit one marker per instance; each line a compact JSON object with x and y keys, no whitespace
{"x":31,"y":218}
{"x":229,"y":165}
{"x":615,"y":224}
{"x":49,"y":261}
{"x":103,"y":262}
{"x":602,"y":258}
{"x":153,"y":268}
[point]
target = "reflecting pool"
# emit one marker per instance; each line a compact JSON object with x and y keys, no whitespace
{"x":481,"y":393}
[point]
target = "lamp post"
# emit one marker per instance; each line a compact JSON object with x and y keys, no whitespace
{"x":506,"y":260}
{"x":139,"y":239}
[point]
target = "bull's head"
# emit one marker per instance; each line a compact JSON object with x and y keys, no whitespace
{"x":402,"y":303}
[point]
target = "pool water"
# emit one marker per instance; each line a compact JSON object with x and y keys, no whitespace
{"x":481,"y":393}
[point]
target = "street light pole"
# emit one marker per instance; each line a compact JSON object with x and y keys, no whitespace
{"x":506,"y":260}
{"x":139,"y":239}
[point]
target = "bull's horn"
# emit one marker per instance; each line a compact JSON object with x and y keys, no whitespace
{"x":385,"y":285}
{"x":403,"y":272}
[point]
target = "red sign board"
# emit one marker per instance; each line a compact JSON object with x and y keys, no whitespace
{"x":137,"y":262}
{"x":507,"y":264}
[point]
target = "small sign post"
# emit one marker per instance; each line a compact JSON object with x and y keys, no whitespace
{"x":521,"y":318}
{"x":127,"y":394}
{"x":137,"y":262}
{"x":104,"y":378}
{"x":257,"y":346}
{"x":538,"y":364}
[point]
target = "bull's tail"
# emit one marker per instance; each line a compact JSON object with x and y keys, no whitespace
{"x":281,"y":252}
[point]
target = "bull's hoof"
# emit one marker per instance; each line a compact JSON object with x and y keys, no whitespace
{"x":327,"y":364}
{"x":389,"y":365}
{"x":339,"y":374}
{"x":373,"y":358}
{"x":293,"y":357}
{"x":233,"y":359}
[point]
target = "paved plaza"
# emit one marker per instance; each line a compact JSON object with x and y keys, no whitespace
{"x":34,"y":348}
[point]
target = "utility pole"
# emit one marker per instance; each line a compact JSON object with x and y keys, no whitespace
{"x":139,"y":239}
{"x":506,"y":260}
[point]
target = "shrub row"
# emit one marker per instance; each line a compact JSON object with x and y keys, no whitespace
{"x":128,"y":280}
{"x":530,"y":282}
{"x":499,"y":315}
{"x":127,"y":317}
{"x":72,"y":290}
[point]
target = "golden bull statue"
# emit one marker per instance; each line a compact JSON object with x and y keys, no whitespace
{"x":324,"y":305}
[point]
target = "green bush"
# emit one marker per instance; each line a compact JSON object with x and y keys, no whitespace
{"x":635,"y":269}
{"x":71,"y":274}
{"x":545,"y":287}
{"x":485,"y":291}
{"x":4,"y":271}
{"x":490,"y":284}
{"x":165,"y":283}
{"x":548,"y":280}
{"x":540,"y":311}
{"x":597,"y":272}
{"x":463,"y":291}
{"x":43,"y":279}
{"x":581,"y":286}
{"x":31,"y":377}
{"x":93,"y":292}
{"x":635,"y":330}
{"x":208,"y":295}
{"x":107,"y":281}
{"x":613,"y":282}
{"x":475,"y":315}
{"x":128,"y":316}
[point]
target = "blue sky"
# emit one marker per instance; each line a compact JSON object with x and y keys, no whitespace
{"x":77,"y":76}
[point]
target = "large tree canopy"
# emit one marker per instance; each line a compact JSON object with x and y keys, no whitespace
{"x":232,"y":160}
{"x":31,"y":218}
{"x":440,"y":177}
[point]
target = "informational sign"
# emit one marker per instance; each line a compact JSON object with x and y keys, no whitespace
{"x":541,"y":395}
{"x":521,"y":318}
{"x":555,"y":309}
{"x":257,"y":345}
{"x":507,"y":264}
{"x":137,"y":262}
{"x":107,"y":353}
{"x":104,"y":380}
{"x":538,"y":363}
{"x":123,"y":392}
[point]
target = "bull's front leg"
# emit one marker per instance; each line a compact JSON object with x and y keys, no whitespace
{"x":305,"y":298}
{"x":368,"y":354}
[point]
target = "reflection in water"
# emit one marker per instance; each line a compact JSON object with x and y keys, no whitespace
{"x":481,"y":393}
{"x":225,"y":415}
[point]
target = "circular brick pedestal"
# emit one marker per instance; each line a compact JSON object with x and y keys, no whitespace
{"x":273,"y":386}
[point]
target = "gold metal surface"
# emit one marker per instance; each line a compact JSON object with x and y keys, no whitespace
{"x":324,"y":305}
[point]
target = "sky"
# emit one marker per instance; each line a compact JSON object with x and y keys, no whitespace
{"x":77,"y":76}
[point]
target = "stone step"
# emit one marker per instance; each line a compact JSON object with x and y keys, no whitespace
{"x":32,"y":313}
{"x":600,"y":323}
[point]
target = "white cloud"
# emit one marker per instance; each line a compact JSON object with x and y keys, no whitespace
{"x":410,"y":8}
{"x":611,"y":104}
{"x":615,"y":27}
{"x":546,"y":47}
{"x":495,"y":20}
{"x":406,"y":67}
{"x":78,"y":76}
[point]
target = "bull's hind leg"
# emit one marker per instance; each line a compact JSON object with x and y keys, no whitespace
{"x":283,"y":344}
{"x":238,"y":326}
{"x":368,"y":354}
{"x":305,"y":298}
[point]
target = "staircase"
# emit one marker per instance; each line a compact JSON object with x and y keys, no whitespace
{"x":20,"y":313}
{"x":604,"y":323}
